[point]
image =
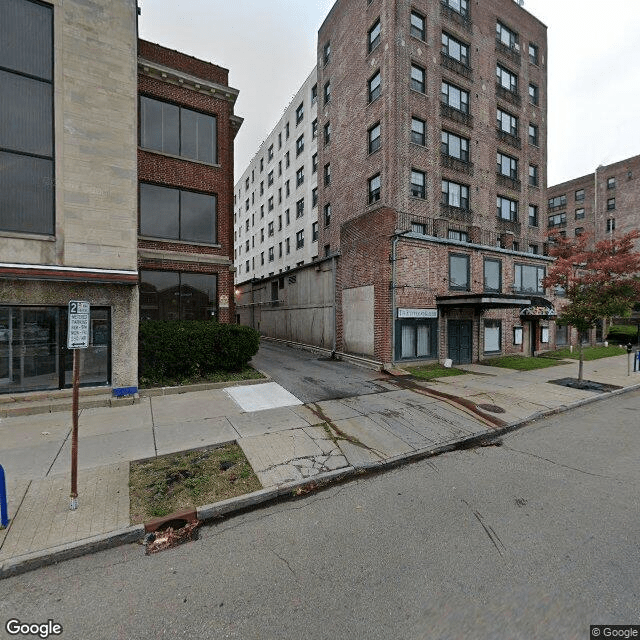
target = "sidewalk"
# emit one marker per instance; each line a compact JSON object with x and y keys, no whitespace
{"x":287,"y":443}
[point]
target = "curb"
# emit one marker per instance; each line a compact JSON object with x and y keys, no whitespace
{"x":202,"y":386}
{"x":212,"y":513}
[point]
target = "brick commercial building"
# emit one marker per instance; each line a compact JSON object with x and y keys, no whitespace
{"x":432,"y":165}
{"x":185,"y":173}
{"x":601,"y":203}
{"x":72,"y":154}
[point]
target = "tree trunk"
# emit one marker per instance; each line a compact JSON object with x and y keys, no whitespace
{"x":580,"y":356}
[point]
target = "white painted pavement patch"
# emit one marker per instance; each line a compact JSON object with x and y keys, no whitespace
{"x":258,"y":397}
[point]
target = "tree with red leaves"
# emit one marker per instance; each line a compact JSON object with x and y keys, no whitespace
{"x":600,"y":281}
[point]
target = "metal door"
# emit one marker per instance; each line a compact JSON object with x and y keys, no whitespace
{"x":459,"y":341}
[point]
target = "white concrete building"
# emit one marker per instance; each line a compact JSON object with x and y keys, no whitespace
{"x":276,"y":203}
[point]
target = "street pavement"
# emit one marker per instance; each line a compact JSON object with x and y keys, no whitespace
{"x":287,"y":443}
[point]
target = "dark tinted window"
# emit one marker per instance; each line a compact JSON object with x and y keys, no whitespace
{"x":159,"y":211}
{"x":198,"y":217}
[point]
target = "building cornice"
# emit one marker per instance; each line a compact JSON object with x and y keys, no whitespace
{"x":180,"y":78}
{"x":180,"y":256}
{"x":17,"y":271}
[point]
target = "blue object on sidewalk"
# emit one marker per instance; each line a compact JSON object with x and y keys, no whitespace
{"x":4,"y":512}
{"x":125,"y":391}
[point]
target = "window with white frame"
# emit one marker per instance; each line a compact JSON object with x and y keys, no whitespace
{"x":507,"y":209}
{"x":455,"y":195}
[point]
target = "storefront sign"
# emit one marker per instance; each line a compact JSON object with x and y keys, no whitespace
{"x":78,"y":335}
{"x":417,"y":313}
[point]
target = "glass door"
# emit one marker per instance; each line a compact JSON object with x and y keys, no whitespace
{"x":6,"y":350}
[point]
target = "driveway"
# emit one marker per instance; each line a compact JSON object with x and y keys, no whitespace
{"x":312,"y":378}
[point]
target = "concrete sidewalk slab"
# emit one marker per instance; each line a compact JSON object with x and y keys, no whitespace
{"x":264,"y":396}
{"x":97,"y":421}
{"x":374,"y":437}
{"x":267,"y":421}
{"x":193,"y":434}
{"x":23,"y":431}
{"x":45,"y":520}
{"x":198,"y":405}
{"x":30,"y":462}
{"x":16,"y":490}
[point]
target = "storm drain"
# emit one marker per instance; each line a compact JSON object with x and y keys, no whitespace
{"x":491,"y":408}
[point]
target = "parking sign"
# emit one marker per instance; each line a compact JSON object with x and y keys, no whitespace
{"x":78,"y":335}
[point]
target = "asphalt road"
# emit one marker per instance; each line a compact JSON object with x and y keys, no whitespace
{"x":535,"y":539}
{"x":311,"y":377}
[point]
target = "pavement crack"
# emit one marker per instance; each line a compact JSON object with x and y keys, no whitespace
{"x":277,"y":555}
{"x":58,"y":453}
{"x":559,"y":464}
{"x":488,"y":529}
{"x":153,"y":426}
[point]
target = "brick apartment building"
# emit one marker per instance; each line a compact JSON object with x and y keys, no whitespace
{"x":600,"y":203}
{"x":185,"y":174}
{"x":75,"y":161}
{"x":432,"y":164}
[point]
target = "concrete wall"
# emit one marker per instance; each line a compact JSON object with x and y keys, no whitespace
{"x":303,"y":311}
{"x":357,"y":320}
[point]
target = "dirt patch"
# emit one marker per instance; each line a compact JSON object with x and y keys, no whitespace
{"x":585,"y":385}
{"x":190,"y":479}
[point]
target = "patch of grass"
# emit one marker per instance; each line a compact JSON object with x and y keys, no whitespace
{"x":186,"y":480}
{"x":589,"y":353}
{"x":522,"y":363}
{"x":248,"y":373}
{"x":435,"y":370}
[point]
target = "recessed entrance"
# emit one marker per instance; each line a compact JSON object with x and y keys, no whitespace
{"x":459,"y":341}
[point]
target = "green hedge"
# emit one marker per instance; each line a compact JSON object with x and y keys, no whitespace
{"x":184,"y":348}
{"x":622,"y":334}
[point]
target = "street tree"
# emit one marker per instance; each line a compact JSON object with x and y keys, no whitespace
{"x":600,"y":280}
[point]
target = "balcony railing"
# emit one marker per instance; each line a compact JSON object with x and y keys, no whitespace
{"x":456,"y":115}
{"x":509,"y":96}
{"x":508,"y":183}
{"x":512,"y":226}
{"x":456,"y":66}
{"x":508,"y":138}
{"x":455,"y":16}
{"x":512,"y":54}
{"x":456,"y":213}
{"x":456,"y":164}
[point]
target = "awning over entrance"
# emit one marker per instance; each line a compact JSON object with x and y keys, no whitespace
{"x":483,"y":301}
{"x":539,"y":308}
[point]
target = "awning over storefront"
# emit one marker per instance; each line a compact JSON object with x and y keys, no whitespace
{"x":483,"y":301}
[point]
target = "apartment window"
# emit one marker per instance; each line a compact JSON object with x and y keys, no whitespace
{"x":327,"y":92}
{"x":270,"y":203}
{"x":26,"y":119}
{"x":455,"y":195}
{"x":261,"y":165}
{"x":314,"y":232}
{"x":270,"y":178}
{"x":417,"y":78}
{"x":374,"y":36}
{"x":579,"y":214}
{"x":374,"y":189}
{"x":455,"y":97}
{"x":533,"y":53}
{"x":177,"y":214}
{"x":314,"y":163}
{"x":327,"y":250}
{"x":528,"y":278}
{"x":178,"y":131}
{"x":459,"y":6}
{"x":300,"y":239}
{"x":533,"y":215}
{"x":374,"y":87}
{"x":327,"y":174}
{"x":299,"y":176}
{"x":611,"y":183}
{"x":287,"y":189}
{"x":300,"y":113}
{"x":246,"y":245}
{"x":314,"y":94}
{"x":314,"y":197}
{"x":579,"y":231}
{"x":533,"y":175}
{"x":280,"y":223}
{"x":417,"y":187}
{"x":459,"y":276}
{"x":299,"y":145}
{"x":533,"y":248}
{"x":286,"y":130}
{"x":262,"y":258}
{"x":300,"y":208}
{"x":287,"y":246}
{"x":534,"y":97}
{"x":454,"y":146}
{"x":327,"y":52}
{"x":417,"y":29}
{"x":262,"y":235}
{"x":507,"y":209}
{"x":327,"y":214}
{"x":557,"y":220}
{"x":261,"y":211}
{"x":611,"y":225}
{"x":533,"y":134}
{"x":287,"y":160}
{"x":453,"y":48}
{"x":246,"y":205}
{"x":506,"y":79}
{"x":579,"y":195}
{"x":246,"y":184}
{"x":507,"y":123}
{"x":507,"y":166}
{"x":287,"y":217}
{"x":280,"y":140}
{"x":253,"y":197}
{"x":374,"y":138}
{"x":558,"y":201}
{"x":506,"y":36}
{"x":418,"y":131}
{"x":314,"y":129}
{"x":452,"y":234}
{"x":271,"y":254}
{"x":492,"y":275}
{"x":279,"y":249}
{"x":270,"y":153}
{"x":492,"y":336}
{"x":611,"y":204}
{"x":262,"y":187}
{"x":327,"y":133}
{"x":279,"y":195}
{"x":247,"y":223}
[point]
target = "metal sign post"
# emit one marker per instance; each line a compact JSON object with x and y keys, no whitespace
{"x":78,"y":338}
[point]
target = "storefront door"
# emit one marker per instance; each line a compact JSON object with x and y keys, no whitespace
{"x":459,"y":341}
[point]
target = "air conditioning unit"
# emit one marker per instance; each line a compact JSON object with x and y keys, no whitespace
{"x":516,"y":46}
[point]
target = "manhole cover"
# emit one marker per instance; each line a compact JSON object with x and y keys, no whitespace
{"x":491,"y":408}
